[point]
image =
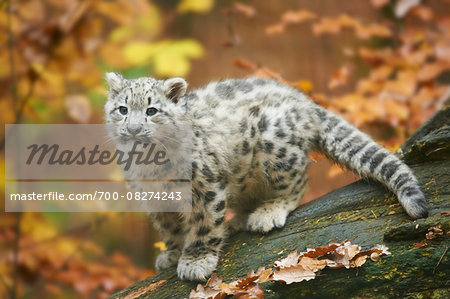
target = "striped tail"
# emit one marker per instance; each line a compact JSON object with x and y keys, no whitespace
{"x":348,"y":146}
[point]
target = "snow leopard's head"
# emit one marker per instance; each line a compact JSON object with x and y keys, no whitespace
{"x":143,"y":109}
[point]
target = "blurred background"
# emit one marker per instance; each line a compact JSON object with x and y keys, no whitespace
{"x":384,"y":65}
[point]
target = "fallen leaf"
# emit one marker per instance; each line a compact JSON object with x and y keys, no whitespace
{"x":381,"y":249}
{"x":264,"y":275}
{"x":442,"y":50}
{"x":339,"y":77}
{"x":244,"y":64}
{"x":379,"y":3}
{"x":343,"y":255}
{"x":275,"y":29}
{"x":430,"y":71}
{"x":402,"y":7}
{"x":78,"y":107}
{"x":418,"y":245}
{"x":320,"y":251}
{"x":433,"y":232}
{"x":210,"y":290}
{"x":243,"y":288}
{"x":422,"y":12}
{"x":289,"y":261}
{"x":444,"y":213}
{"x":305,"y":85}
{"x":295,"y":17}
{"x":244,"y":9}
{"x":293,"y":274}
{"x":360,"y":260}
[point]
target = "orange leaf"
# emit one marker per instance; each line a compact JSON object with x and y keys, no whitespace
{"x":304,"y":85}
{"x":422,"y":12}
{"x":442,"y":50}
{"x":244,"y":64}
{"x":402,"y":7}
{"x":418,"y":245}
{"x":339,"y":77}
{"x":379,"y":3}
{"x":275,"y":29}
{"x":315,"y":156}
{"x":431,"y":70}
{"x":244,"y":9}
{"x":295,"y":17}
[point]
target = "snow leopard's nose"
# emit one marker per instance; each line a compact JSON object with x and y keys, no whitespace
{"x":134,"y":129}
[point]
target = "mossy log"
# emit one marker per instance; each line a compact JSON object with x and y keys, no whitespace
{"x":364,"y":212}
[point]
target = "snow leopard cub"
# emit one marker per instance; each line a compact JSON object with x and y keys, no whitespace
{"x":251,"y":139}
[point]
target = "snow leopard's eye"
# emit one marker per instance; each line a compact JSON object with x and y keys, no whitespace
{"x":151,"y":111}
{"x":123,"y":110}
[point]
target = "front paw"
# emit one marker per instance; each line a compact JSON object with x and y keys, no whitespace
{"x":197,"y":268}
{"x":264,"y":219}
{"x":167,"y":259}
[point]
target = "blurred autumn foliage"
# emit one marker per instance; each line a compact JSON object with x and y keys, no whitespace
{"x":54,"y":54}
{"x":395,"y":75}
{"x":396,"y":68}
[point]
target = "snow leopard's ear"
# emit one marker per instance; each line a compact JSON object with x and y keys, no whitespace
{"x":175,"y":88}
{"x":115,"y":82}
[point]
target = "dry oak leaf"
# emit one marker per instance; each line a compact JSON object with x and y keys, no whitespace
{"x":320,"y":251}
{"x":210,"y":290}
{"x":293,"y":274}
{"x":342,"y":256}
{"x":433,"y":232}
{"x":304,"y":270}
{"x":289,"y":261}
{"x":418,"y":245}
{"x":262,"y":274}
{"x":243,"y":288}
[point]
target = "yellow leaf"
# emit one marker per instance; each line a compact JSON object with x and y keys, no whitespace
{"x":160,"y":245}
{"x":169,"y":64}
{"x":137,"y":52}
{"x":199,"y":6}
{"x":188,"y":47}
{"x":170,"y":58}
{"x":34,"y":225}
{"x":305,"y":85}
{"x":141,"y":52}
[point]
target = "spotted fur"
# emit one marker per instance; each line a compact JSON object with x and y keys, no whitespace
{"x":251,"y":139}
